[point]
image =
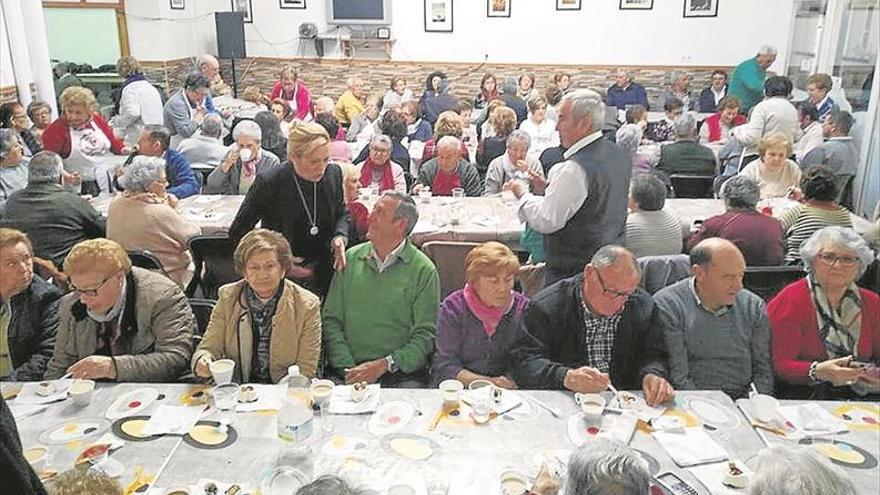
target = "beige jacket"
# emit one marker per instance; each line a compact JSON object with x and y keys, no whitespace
{"x":295,"y":339}
{"x":145,"y":222}
{"x":156,"y":333}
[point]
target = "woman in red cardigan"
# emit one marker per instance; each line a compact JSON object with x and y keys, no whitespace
{"x":294,"y":92}
{"x":825,"y":329}
{"x":82,"y":138}
{"x":716,"y":128}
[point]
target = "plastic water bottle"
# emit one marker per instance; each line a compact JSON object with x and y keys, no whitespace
{"x":295,"y":415}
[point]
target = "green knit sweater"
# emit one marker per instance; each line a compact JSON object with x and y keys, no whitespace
{"x":369,"y":315}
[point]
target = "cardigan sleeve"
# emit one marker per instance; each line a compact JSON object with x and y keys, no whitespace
{"x":56,"y":138}
{"x":789,"y":320}
{"x":447,"y":361}
{"x":534,"y":369}
{"x":211,"y":346}
{"x":470,"y":180}
{"x":303,"y":101}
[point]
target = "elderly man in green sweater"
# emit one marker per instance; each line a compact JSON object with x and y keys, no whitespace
{"x":747,"y":80}
{"x":380,"y":314}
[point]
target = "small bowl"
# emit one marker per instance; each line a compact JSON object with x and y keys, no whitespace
{"x":513,"y":482}
{"x":736,"y":475}
{"x":81,"y":392}
{"x":45,"y":389}
{"x":247,"y":393}
{"x":358,"y":391}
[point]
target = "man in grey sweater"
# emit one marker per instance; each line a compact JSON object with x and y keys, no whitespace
{"x":717,"y":333}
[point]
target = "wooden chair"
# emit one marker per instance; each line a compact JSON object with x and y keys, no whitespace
{"x":449,"y":258}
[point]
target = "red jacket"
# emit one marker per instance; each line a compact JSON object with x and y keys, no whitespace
{"x":303,"y":99}
{"x":795,"y":341}
{"x":714,"y":123}
{"x":56,"y":137}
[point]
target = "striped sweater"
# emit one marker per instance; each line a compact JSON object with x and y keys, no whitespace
{"x":801,"y":221}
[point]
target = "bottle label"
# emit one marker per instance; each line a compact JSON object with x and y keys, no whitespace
{"x":295,"y":432}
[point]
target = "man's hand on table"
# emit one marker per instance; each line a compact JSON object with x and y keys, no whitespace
{"x":656,"y":389}
{"x":93,"y":368}
{"x":586,"y":380}
{"x":369,"y":372}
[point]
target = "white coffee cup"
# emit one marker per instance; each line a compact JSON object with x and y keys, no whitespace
{"x":81,"y":392}
{"x":222,"y":370}
{"x":592,"y":405}
{"x":451,"y":390}
{"x":765,"y":407}
{"x":322,"y":390}
{"x":36,"y":457}
{"x":425,"y":195}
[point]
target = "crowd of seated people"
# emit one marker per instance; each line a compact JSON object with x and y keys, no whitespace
{"x":313,"y":273}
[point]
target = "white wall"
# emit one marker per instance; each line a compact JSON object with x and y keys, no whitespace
{"x":598,"y":34}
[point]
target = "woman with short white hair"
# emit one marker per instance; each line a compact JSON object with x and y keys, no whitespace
{"x":243,"y":162}
{"x":379,"y":171}
{"x":515,"y":163}
{"x":141,"y":218}
{"x":790,"y":469}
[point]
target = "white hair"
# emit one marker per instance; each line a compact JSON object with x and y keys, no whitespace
{"x":789,"y":469}
{"x":629,"y":137}
{"x":206,"y":58}
{"x":586,"y":103}
{"x":521,"y":136}
{"x":685,"y":126}
{"x":841,"y":237}
{"x":767,"y":50}
{"x":247,"y":128}
{"x":448,"y":142}
{"x":607,"y":466}
{"x":143,"y":171}
{"x":381,"y":139}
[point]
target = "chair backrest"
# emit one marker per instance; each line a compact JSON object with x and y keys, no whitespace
{"x":449,"y":258}
{"x":202,"y":171}
{"x":767,"y":281}
{"x":202,"y":309}
{"x":661,"y":271}
{"x":692,"y":186}
{"x":213,"y":253}
{"x":145,"y":259}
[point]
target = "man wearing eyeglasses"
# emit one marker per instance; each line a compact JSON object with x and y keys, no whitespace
{"x":593,"y":330}
{"x":717,"y":332}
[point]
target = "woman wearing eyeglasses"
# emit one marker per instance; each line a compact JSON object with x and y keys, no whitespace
{"x":826,"y":330}
{"x":120,"y":322}
{"x":263,"y":322}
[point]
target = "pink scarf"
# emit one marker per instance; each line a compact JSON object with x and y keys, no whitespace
{"x":490,"y":317}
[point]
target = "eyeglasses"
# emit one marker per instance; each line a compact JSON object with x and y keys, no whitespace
{"x":613,"y":294}
{"x":831,"y":259}
{"x":380,"y":151}
{"x":93,"y":291}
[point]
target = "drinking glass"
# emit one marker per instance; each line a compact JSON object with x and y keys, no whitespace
{"x":225,"y":399}
{"x":458,"y":193}
{"x":322,"y":390}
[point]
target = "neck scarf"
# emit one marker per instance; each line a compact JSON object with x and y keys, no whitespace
{"x":444,"y":183}
{"x":250,"y":167}
{"x":839,"y":330}
{"x":115,"y":311}
{"x":387,"y":180}
{"x":489,"y":317}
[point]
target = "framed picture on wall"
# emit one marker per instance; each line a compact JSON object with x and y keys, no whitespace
{"x":498,"y":8}
{"x":701,"y":8}
{"x":568,"y":4}
{"x":292,"y":4}
{"x":244,"y":6}
{"x":178,"y":4}
{"x":438,"y":16}
{"x":636,"y":4}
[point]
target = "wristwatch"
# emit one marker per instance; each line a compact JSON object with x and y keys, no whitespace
{"x":392,"y":366}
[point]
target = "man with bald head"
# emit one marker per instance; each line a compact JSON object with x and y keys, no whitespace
{"x":717,"y":332}
{"x":595,"y":328}
{"x":209,"y":66}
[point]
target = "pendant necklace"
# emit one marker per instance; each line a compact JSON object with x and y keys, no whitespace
{"x":313,"y":220}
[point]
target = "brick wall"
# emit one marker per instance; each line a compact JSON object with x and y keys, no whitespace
{"x":329,"y":76}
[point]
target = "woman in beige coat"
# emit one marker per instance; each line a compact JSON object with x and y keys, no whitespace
{"x":142,"y":219}
{"x":264,"y":322}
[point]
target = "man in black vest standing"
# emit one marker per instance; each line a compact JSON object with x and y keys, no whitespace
{"x":585,"y":203}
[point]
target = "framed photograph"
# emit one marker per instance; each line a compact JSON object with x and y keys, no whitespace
{"x":636,"y":4}
{"x":178,"y":4}
{"x":244,"y":6}
{"x":701,"y":8}
{"x":498,"y":8}
{"x":292,"y":4}
{"x":438,"y":16}
{"x":568,"y":4}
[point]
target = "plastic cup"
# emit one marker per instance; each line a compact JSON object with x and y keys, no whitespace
{"x":451,"y":390}
{"x":81,"y":392}
{"x":458,"y":193}
{"x":482,"y":409}
{"x":765,"y":407}
{"x":222,"y":370}
{"x":322,"y":390}
{"x":425,"y":195}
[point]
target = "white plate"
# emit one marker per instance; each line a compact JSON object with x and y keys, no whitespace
{"x":712,"y":413}
{"x":132,"y":402}
{"x":74,"y":429}
{"x":390,"y":417}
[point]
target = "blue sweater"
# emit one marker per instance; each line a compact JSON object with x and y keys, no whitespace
{"x":182,"y":180}
{"x":634,"y":94}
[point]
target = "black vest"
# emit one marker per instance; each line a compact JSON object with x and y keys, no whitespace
{"x":601,"y":220}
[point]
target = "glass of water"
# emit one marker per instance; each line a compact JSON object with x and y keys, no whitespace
{"x":225,"y":399}
{"x":482,"y":408}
